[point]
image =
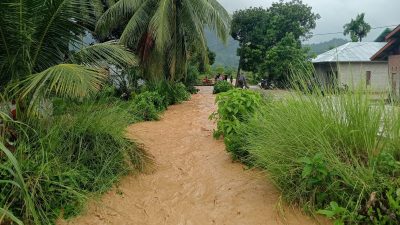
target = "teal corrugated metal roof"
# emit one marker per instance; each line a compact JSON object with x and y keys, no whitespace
{"x":351,"y":52}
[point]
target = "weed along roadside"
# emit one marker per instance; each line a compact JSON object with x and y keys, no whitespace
{"x":331,"y":153}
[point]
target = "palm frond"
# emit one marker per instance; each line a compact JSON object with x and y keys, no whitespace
{"x":112,"y":17}
{"x":58,"y":29}
{"x":103,"y":55}
{"x":163,"y":23}
{"x":64,"y":80}
{"x":138,"y":24}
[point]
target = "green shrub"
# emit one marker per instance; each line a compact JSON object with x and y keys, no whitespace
{"x":234,"y":107}
{"x":222,"y":86}
{"x":338,"y":154}
{"x":190,"y":80}
{"x":173,"y":93}
{"x":180,"y":93}
{"x":69,"y":157}
{"x":147,"y":106}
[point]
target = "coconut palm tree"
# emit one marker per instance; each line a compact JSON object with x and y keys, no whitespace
{"x":41,"y":48}
{"x":163,"y":31}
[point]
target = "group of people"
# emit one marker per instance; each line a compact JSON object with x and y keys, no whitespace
{"x":220,"y":77}
{"x":241,"y":80}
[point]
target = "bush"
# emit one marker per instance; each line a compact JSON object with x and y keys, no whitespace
{"x":173,"y":93}
{"x":190,"y":80}
{"x":234,"y":107}
{"x":65,"y":159}
{"x":147,"y":106}
{"x":339,"y":154}
{"x":222,"y":86}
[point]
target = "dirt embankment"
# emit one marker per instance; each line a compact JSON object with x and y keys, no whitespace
{"x":194,"y":182}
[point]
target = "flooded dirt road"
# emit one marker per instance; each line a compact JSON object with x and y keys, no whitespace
{"x":194,"y":181}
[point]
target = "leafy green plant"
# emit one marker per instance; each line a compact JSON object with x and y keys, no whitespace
{"x":222,"y":86}
{"x":334,"y":211}
{"x":172,"y":92}
{"x":147,"y":105}
{"x":180,"y":93}
{"x":234,"y":107}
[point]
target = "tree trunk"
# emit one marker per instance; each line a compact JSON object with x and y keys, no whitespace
{"x":238,"y":71}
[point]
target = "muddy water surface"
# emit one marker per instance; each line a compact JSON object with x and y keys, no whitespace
{"x":194,"y":181}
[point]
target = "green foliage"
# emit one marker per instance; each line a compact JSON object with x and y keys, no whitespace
{"x":338,"y":155}
{"x":258,"y":30}
{"x":222,"y":86}
{"x":357,"y":28}
{"x":172,"y":92}
{"x":147,"y":105}
{"x":162,"y":32}
{"x":16,"y":181}
{"x":286,"y":56}
{"x":36,"y":44}
{"x":234,"y":107}
{"x":191,"y":79}
{"x":83,"y":151}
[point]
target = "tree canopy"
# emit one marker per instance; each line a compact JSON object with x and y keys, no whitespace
{"x":35,"y":41}
{"x":162,"y":31}
{"x":261,"y":32}
{"x":357,"y":28}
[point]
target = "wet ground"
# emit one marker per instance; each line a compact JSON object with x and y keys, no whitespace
{"x":194,"y":181}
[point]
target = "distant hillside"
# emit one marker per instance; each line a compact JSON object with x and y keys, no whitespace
{"x":226,"y":54}
{"x":322,"y":47}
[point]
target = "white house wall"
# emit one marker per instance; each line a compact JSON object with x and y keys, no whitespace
{"x":354,"y":74}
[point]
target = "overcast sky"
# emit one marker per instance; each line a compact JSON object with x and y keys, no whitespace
{"x":335,"y":13}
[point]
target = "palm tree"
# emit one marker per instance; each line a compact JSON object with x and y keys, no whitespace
{"x":358,"y":28}
{"x":36,"y":38}
{"x":163,"y":31}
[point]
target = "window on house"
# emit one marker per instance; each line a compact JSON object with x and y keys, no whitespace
{"x":368,"y":78}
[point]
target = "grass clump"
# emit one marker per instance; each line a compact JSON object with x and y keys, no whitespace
{"x":338,"y":154}
{"x":222,"y":86}
{"x":68,"y":158}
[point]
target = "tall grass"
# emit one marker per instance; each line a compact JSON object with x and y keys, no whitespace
{"x":67,"y":158}
{"x":330,"y":150}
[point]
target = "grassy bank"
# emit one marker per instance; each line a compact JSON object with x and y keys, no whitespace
{"x":51,"y":165}
{"x":334,"y":154}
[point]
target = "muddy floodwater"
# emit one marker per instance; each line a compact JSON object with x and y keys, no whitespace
{"x":194,"y":181}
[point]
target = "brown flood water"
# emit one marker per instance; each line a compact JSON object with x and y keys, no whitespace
{"x":194,"y":181}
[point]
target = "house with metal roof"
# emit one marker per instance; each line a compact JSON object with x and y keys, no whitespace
{"x":351,"y":65}
{"x":391,"y":52}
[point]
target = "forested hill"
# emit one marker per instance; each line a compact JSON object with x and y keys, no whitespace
{"x":322,"y":47}
{"x":226,"y":54}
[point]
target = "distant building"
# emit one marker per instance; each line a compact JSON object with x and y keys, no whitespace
{"x":391,"y":52}
{"x":351,"y":65}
